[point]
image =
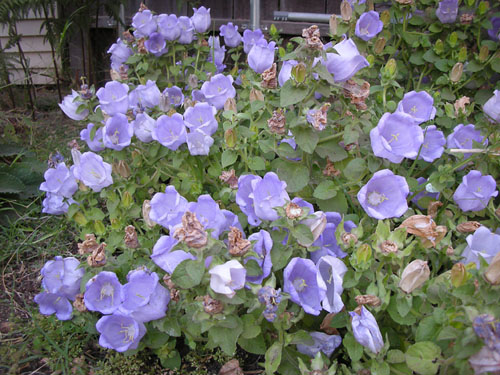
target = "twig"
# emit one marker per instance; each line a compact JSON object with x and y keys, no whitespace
{"x":472,"y":151}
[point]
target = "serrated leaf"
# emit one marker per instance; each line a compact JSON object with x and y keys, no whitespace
{"x":302,"y":234}
{"x":325,"y":190}
{"x":256,"y":163}
{"x":355,"y":169}
{"x":10,"y":184}
{"x":354,"y":349}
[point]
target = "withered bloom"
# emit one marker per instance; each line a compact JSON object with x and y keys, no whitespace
{"x":414,"y":275}
{"x":89,"y":245}
{"x":325,"y":324}
{"x":368,"y":299}
{"x":231,"y":368}
{"x":348,"y":237}
{"x":256,"y":95}
{"x":230,"y":105}
{"x":492,"y":273}
{"x":460,"y":105}
{"x":121,"y":168}
{"x":424,"y":227}
{"x":318,"y":117}
{"x":229,"y":177}
{"x":312,"y":37}
{"x":357,"y":93}
{"x":146,"y":209}
{"x":130,"y":238}
{"x":450,"y":251}
{"x":79,"y":304}
{"x":123,"y":73}
{"x":345,"y":11}
{"x":192,"y":232}
{"x":330,"y":169}
{"x":238,"y":246}
{"x":73,"y":145}
{"x":98,"y":256}
{"x":293,"y":211}
{"x":141,"y":47}
{"x":142,"y":7}
{"x":468,"y":227}
{"x":212,"y":306}
{"x":269,"y":80}
{"x":128,"y":37}
{"x":466,"y":18}
{"x":277,"y":122}
{"x":174,"y":293}
{"x":433,"y":207}
{"x":389,"y":247}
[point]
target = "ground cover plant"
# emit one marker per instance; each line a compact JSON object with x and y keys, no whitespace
{"x":329,"y":204}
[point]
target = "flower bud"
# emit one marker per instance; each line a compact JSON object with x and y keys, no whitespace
{"x":256,"y":95}
{"x":453,"y":39}
{"x":462,"y":54}
{"x":390,"y":69}
{"x":379,"y":45}
{"x":492,"y":273}
{"x":127,"y":199}
{"x":385,"y":17}
{"x":439,"y":47}
{"x":230,"y":105}
{"x":333,"y":23}
{"x":99,"y":227}
{"x":484,"y":53}
{"x":456,"y":72}
{"x":345,"y":11}
{"x":299,"y":72}
{"x":121,"y":168}
{"x":230,"y":138}
{"x":146,"y":209}
{"x":363,"y":253}
{"x":414,"y":275}
{"x":458,"y":275}
{"x":483,"y":7}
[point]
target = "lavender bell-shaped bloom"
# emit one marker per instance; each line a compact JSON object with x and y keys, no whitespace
{"x":263,"y":247}
{"x":113,"y":98}
{"x":93,"y":171}
{"x":332,"y":270}
{"x":145,"y":96}
{"x":96,"y":143}
{"x":120,"y":332}
{"x":201,"y":19}
{"x":271,"y":298}
{"x":304,"y":284}
{"x":156,"y":44}
{"x":368,"y":25}
{"x":165,"y":258}
{"x":62,"y":276}
{"x":170,"y":131}
{"x":50,"y":303}
{"x":174,"y":96}
{"x":433,"y":146}
{"x":353,"y":2}
{"x":199,"y":143}
{"x":168,"y":26}
{"x":201,"y":117}
{"x":103,"y":293}
{"x":198,"y":96}
{"x":118,"y":132}
{"x":419,"y":105}
{"x":485,"y":361}
{"x":54,"y":204}
{"x":286,"y":71}
{"x":231,"y":221}
{"x":447,"y":11}
{"x":322,"y":343}
{"x":232,"y":38}
{"x":261,"y":56}
{"x":475,"y":191}
{"x":250,"y":38}
{"x":482,"y":243}
{"x":462,"y":137}
{"x":487,"y":328}
{"x":168,"y":208}
{"x":144,"y":23}
{"x":267,"y":193}
{"x":144,"y":298}
{"x":208,"y":214}
{"x":143,"y":127}
{"x":384,"y":195}
{"x":423,"y":193}
{"x":347,"y":62}
{"x":396,"y":136}
{"x":227,"y":278}
{"x":243,"y":199}
{"x":327,"y":241}
{"x":218,"y":90}
{"x":494,"y":32}
{"x":366,"y":330}
{"x":217,"y":53}
{"x":492,"y":106}
{"x":69,"y":106}
{"x":60,"y":181}
{"x":187,"y":30}
{"x":120,"y":53}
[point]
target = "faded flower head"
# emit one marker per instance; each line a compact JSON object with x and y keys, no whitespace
{"x":468,"y":226}
{"x":475,"y":191}
{"x":238,"y":245}
{"x":98,"y":256}
{"x":89,"y":245}
{"x":192,"y":232}
{"x":277,"y":122}
{"x":460,"y":105}
{"x":388,"y":247}
{"x":424,"y":227}
{"x":269,"y":78}
{"x":312,"y":37}
{"x":415,"y":274}
{"x":368,"y":299}
{"x":447,"y":11}
{"x":366,"y":330}
{"x":271,"y":298}
{"x":229,"y":177}
{"x":130,"y":238}
{"x":212,"y":306}
{"x":318,"y":117}
{"x":492,"y":273}
{"x":357,"y":93}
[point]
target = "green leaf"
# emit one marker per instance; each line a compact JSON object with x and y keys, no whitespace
{"x":495,"y":64}
{"x":332,"y":150}
{"x":250,"y":328}
{"x":324,"y":74}
{"x":168,"y":325}
{"x":303,"y":234}
{"x":273,"y":357}
{"x":408,"y":320}
{"x":228,"y":158}
{"x":380,"y":368}
{"x":225,"y":338}
{"x":395,"y":356}
{"x":355,"y":169}
{"x":306,"y":138}
{"x":354,"y":349}
{"x":423,"y":357}
{"x":474,"y":66}
{"x":257,"y":163}
{"x":291,"y":94}
{"x":188,"y":274}
{"x":10,"y":150}
{"x":417,"y":58}
{"x":442,"y":65}
{"x":256,"y":345}
{"x":427,"y":329}
{"x":337,"y":204}
{"x":296,"y":175}
{"x":253,"y":268}
{"x":10,"y":184}
{"x":325,"y":190}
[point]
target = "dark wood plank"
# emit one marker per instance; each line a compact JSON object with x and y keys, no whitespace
{"x":333,"y":6}
{"x":311,"y":6}
{"x":242,"y":9}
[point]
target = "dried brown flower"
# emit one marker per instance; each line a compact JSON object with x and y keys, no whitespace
{"x":368,"y":299}
{"x":123,"y":73}
{"x":191,"y":232}
{"x":424,"y":227}
{"x":231,"y":368}
{"x":460,"y":105}
{"x":325,"y":324}
{"x":229,"y":177}
{"x":73,"y":145}
{"x":277,"y":122}
{"x":293,"y":210}
{"x":345,"y":10}
{"x":128,"y":37}
{"x":466,"y":18}
{"x":256,"y":95}
{"x":433,"y":241}
{"x":269,"y":80}
{"x":98,"y":256}
{"x":130,"y":239}
{"x":174,"y":293}
{"x":313,"y":37}
{"x":192,"y":81}
{"x":389,"y":247}
{"x":433,"y":207}
{"x":319,"y":119}
{"x":121,"y":168}
{"x":357,"y":93}
{"x":141,"y":47}
{"x":146,"y":209}
{"x":89,"y":245}
{"x":492,"y":273}
{"x":456,"y":72}
{"x":330,"y":169}
{"x":212,"y":306}
{"x":348,"y":237}
{"x":238,"y":246}
{"x":142,"y":7}
{"x":230,"y":105}
{"x":79,"y":304}
{"x":333,"y":23}
{"x":468,"y":227}
{"x":450,"y":251}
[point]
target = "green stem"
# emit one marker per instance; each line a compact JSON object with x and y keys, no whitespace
{"x":330,"y":137}
{"x":384,"y":100}
{"x":197,"y":58}
{"x":173,"y":62}
{"x":424,"y":72}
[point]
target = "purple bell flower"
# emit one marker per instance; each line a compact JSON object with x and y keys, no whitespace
{"x":447,"y":11}
{"x":419,"y":105}
{"x":433,"y":146}
{"x":168,"y":26}
{"x":144,"y":23}
{"x":198,"y":96}
{"x":208,"y":214}
{"x":217,"y":53}
{"x":145,"y":96}
{"x":170,"y":131}
{"x":199,"y":143}
{"x":424,"y":193}
{"x":93,"y":171}
{"x":475,"y":191}
{"x":384,"y":196}
{"x":113,"y":98}
{"x":304,"y":284}
{"x":462,"y":137}
{"x":332,"y":271}
{"x":62,"y":276}
{"x":250,"y":38}
{"x":103,"y":293}
{"x":120,"y":53}
{"x":50,"y":303}
{"x":143,"y":127}
{"x":347,"y":62}
{"x":494,"y":32}
{"x":54,"y":204}
{"x":368,"y":25}
{"x":187,"y":30}
{"x":168,"y":208}
{"x":218,"y":90}
{"x":120,"y":332}
{"x":267,"y":193}
{"x":485,"y":361}
{"x":201,"y":19}
{"x":492,"y":106}
{"x":232,"y":37}
{"x":396,"y":136}
{"x":243,"y":199}
{"x":174,"y":96}
{"x":482,"y":243}
{"x":165,"y":258}
{"x":286,"y":71}
{"x":59,"y":181}
{"x":118,"y":132}
{"x":271,"y":298}
{"x":201,"y":117}
{"x":322,"y":343}
{"x":353,"y":2}
{"x":263,"y":247}
{"x":366,"y":330}
{"x":327,"y":241}
{"x":487,"y":327}
{"x":156,"y":44}
{"x":69,"y":106}
{"x":261,"y":56}
{"x":227,"y":278}
{"x":95,"y":144}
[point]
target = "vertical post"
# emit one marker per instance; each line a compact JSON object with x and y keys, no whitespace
{"x":121,"y":24}
{"x":254,"y":14}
